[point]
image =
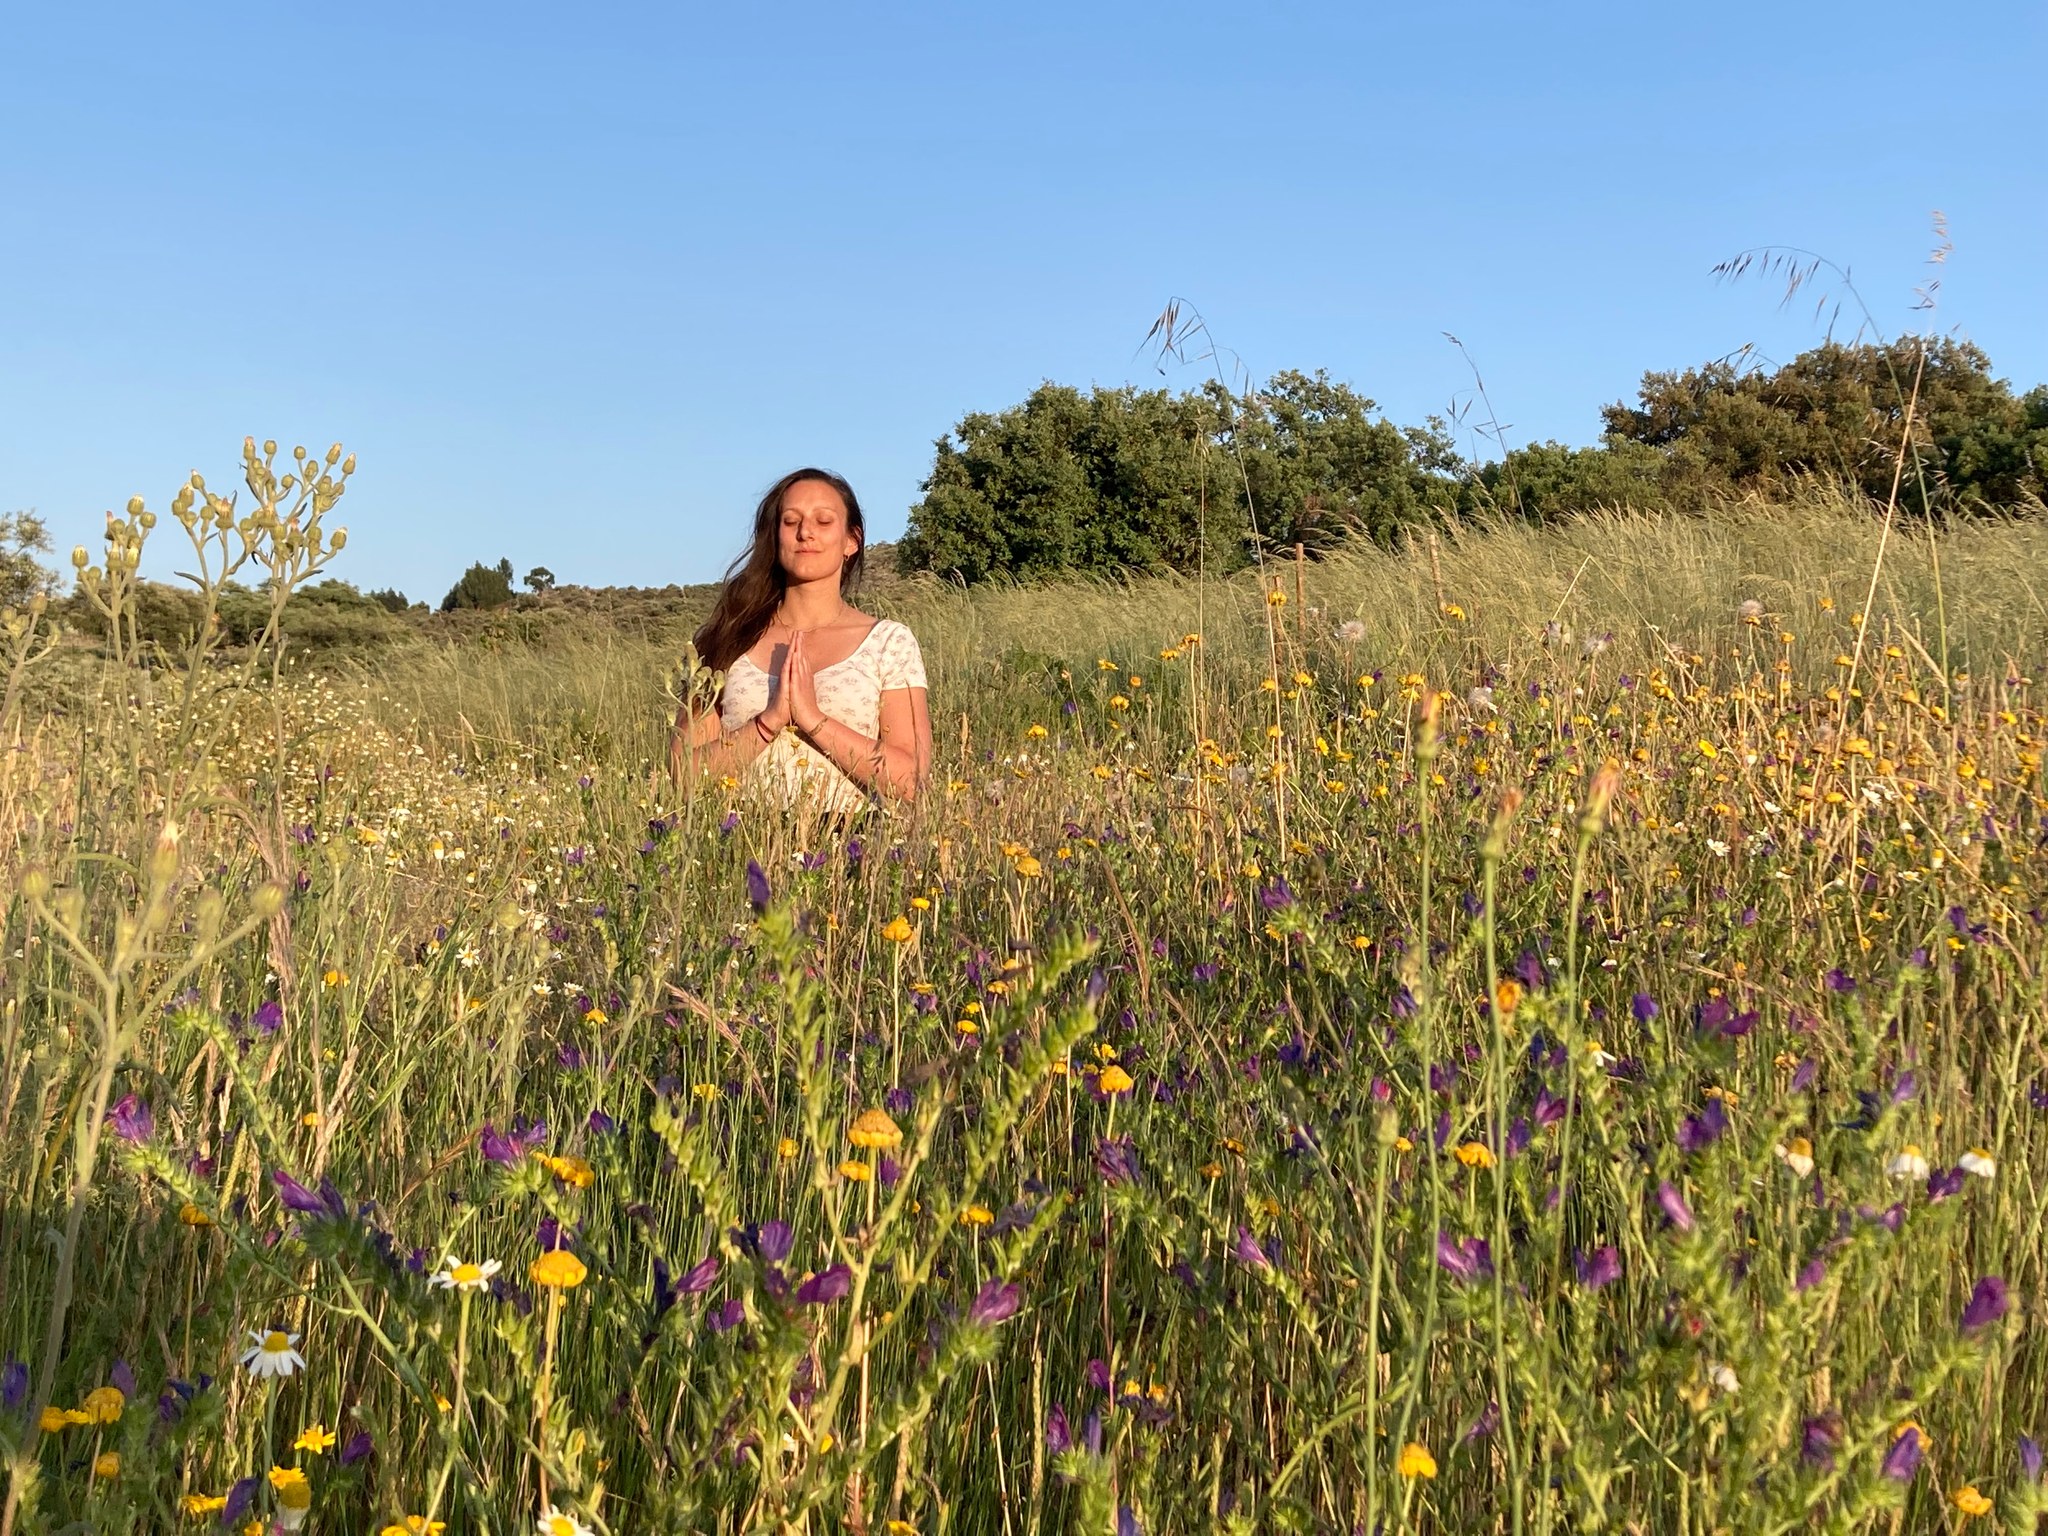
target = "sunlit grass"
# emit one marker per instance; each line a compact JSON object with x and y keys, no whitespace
{"x":1537,"y":1034}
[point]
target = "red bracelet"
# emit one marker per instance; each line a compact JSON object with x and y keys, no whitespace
{"x":767,"y":736}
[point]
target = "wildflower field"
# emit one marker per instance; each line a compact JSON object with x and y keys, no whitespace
{"x":1538,"y":1033}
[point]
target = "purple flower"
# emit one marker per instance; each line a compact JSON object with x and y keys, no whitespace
{"x":698,"y":1278}
{"x":296,"y":1197}
{"x":1987,"y":1304}
{"x":1818,"y":1438}
{"x":2030,"y":1459}
{"x":727,"y":1317}
{"x":1487,"y":1422}
{"x":602,"y":1123}
{"x":1059,"y":1435}
{"x":358,"y":1448}
{"x":267,"y":1017}
{"x":1944,"y":1182}
{"x":888,"y":1170}
{"x":1246,"y":1250}
{"x":1443,"y":1077}
{"x":1601,"y":1267}
{"x":1811,"y":1274}
{"x":1091,"y":1432}
{"x":1675,"y":1208}
{"x":1905,"y":1087}
{"x":1643,"y":1007}
{"x":996,"y":1303}
{"x":1127,"y":1522}
{"x":131,"y":1119}
{"x":123,"y":1378}
{"x":240,"y":1497}
{"x":1839,"y":980}
{"x":758,"y":894}
{"x":1278,"y":894}
{"x":1529,"y":969}
{"x":1548,"y":1109}
{"x":1403,"y":1005}
{"x":1206,"y":972}
{"x":772,"y":1240}
{"x":1903,"y":1459}
{"x":826,"y":1287}
{"x":1116,"y":1160}
{"x":1804,"y":1074}
{"x":1698,"y":1132}
{"x":13,"y":1383}
{"x":1467,"y":1258}
{"x":1098,"y":1375}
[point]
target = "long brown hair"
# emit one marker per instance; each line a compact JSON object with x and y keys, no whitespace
{"x":755,"y":582}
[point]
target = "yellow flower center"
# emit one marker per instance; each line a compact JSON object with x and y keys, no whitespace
{"x":275,"y":1343}
{"x":466,"y":1274}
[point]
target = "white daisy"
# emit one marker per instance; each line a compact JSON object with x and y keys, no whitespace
{"x":1979,"y":1162}
{"x":272,"y":1354}
{"x":464,"y":1275}
{"x":1911,"y":1163}
{"x":1723,"y":1376}
{"x":554,"y":1523}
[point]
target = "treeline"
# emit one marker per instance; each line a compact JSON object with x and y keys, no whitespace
{"x":1145,"y":479}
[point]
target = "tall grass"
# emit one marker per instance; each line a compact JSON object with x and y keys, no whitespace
{"x":1552,"y":1053}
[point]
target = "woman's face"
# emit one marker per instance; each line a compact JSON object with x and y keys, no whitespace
{"x":814,"y":541}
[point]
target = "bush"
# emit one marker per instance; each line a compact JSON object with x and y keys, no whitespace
{"x":481,"y":586}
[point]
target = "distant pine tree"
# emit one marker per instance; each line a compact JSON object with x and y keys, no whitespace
{"x":481,"y":586}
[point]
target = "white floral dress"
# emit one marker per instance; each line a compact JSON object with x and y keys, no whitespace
{"x":790,"y":769}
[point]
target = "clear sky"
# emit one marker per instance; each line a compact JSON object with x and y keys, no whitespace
{"x":577,"y":281}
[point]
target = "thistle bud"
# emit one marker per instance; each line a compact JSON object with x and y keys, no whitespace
{"x":81,"y":557}
{"x":207,"y":911}
{"x":1386,"y":1127}
{"x":268,"y":900}
{"x":269,"y":447}
{"x":348,"y":465}
{"x":35,"y":885}
{"x":163,"y":858}
{"x":334,"y":455}
{"x":134,"y":506}
{"x":148,"y":521}
{"x":69,"y":905}
{"x":340,"y":540}
{"x":198,"y":481}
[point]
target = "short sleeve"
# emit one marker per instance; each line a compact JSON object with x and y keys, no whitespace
{"x":902,"y":663}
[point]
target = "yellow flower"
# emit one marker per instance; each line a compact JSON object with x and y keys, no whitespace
{"x":897,"y":930}
{"x":1403,"y":1144}
{"x":558,"y":1269}
{"x":977,"y":1216}
{"x":334,"y":978}
{"x":1029,"y":867}
{"x":570,"y":1170}
{"x":900,"y":1528}
{"x":1115,"y":1079}
{"x":1212,"y":1170}
{"x":786,"y":1148}
{"x":1970,"y":1502}
{"x":966,"y":1027}
{"x":1507,"y":997}
{"x":200,"y":1505}
{"x":107,"y":1465}
{"x":316,"y":1438}
{"x":282,"y":1478}
{"x":855,"y":1170}
{"x":414,"y":1525}
{"x":1036,"y":732}
{"x":595,"y":1015}
{"x":104,"y":1404}
{"x":1474,"y":1154}
{"x":874,"y":1131}
{"x":920,"y":904}
{"x":192,"y":1216}
{"x":1415,"y":1461}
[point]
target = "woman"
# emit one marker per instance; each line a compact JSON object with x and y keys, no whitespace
{"x":821,"y":705}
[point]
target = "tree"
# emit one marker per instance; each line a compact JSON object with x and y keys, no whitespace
{"x":540,"y":579}
{"x":481,"y":586}
{"x":23,"y":536}
{"x":1840,"y":412}
{"x":390,"y":599}
{"x":1145,"y":479}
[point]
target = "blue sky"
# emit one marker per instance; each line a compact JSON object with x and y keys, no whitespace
{"x":576,"y":282}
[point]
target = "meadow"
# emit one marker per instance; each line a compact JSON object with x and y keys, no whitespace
{"x":1537,"y":1031}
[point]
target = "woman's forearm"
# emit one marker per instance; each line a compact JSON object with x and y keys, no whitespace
{"x":868,"y":761}
{"x":730,"y":751}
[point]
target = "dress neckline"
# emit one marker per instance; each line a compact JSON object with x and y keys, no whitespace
{"x":819,"y":671}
